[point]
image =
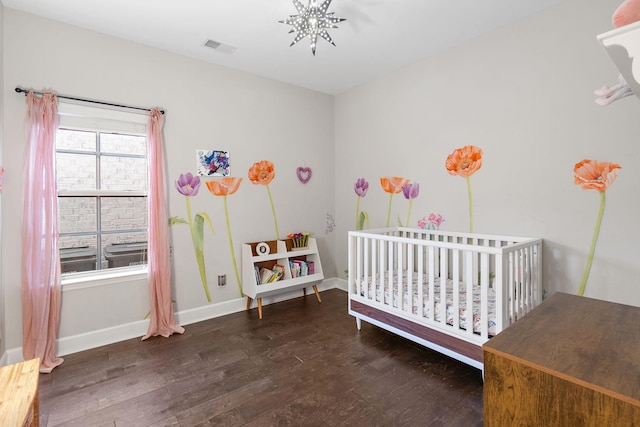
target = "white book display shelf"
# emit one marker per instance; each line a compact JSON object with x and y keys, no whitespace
{"x":274,"y":267}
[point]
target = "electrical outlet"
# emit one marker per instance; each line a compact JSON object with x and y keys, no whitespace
{"x":222,"y":279}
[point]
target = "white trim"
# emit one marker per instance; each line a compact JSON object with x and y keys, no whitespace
{"x":102,"y":193}
{"x":77,"y":281}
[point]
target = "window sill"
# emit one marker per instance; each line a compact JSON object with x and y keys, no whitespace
{"x":76,"y":281}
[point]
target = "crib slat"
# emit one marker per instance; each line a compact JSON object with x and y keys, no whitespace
{"x":444,"y":275}
{"x":456,"y":291}
{"x":410,"y":273}
{"x":390,"y":264}
{"x":432,"y":279}
{"x":420,"y":300}
{"x":383,"y":271}
{"x":359,"y":278}
{"x":470,"y":278}
{"x":485,"y":284}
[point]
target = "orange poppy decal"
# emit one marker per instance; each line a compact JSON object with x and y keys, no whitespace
{"x":224,"y":186}
{"x":393,"y":184}
{"x":262,"y":172}
{"x":464,"y":161}
{"x":595,"y":175}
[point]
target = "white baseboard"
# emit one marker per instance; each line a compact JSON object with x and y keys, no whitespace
{"x":89,"y":340}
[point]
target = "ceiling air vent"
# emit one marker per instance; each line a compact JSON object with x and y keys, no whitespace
{"x":220,"y":47}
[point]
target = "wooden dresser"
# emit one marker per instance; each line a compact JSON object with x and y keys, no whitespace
{"x":572,"y":361}
{"x":19,"y":394}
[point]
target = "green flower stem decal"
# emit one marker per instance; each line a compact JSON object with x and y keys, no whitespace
{"x":197,"y":236}
{"x":188,"y":186}
{"x":273,"y":210}
{"x":594,"y":241}
{"x":358,"y":214}
{"x":223,"y":187}
{"x":594,"y":175}
{"x":468,"y":178}
{"x":263,"y":172}
{"x":233,"y":253}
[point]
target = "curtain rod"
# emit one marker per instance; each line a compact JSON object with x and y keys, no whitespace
{"x":25,"y":91}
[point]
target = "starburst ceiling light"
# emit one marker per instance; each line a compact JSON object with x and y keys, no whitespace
{"x":312,"y":20}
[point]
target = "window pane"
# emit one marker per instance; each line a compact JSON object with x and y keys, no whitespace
{"x":123,"y":144}
{"x":75,"y":140}
{"x":123,"y":213}
{"x":123,"y":173}
{"x":77,"y":215}
{"x":123,"y":250}
{"x":76,"y":171}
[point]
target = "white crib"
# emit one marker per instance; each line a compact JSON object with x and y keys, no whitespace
{"x":400,"y":278}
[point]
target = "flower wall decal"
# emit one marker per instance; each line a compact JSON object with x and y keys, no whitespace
{"x":225,"y":187}
{"x":263,"y":172}
{"x":188,"y":185}
{"x":361,"y":187}
{"x":465,"y":162}
{"x":410,"y":192}
{"x":594,"y":175}
{"x":433,"y":222}
{"x":392,"y":185}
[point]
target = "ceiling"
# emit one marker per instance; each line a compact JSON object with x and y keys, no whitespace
{"x":378,"y":36}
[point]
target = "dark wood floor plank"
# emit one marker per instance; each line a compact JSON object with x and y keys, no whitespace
{"x":303,"y":364}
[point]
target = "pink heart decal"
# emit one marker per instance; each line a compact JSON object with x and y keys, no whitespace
{"x":304,"y":174}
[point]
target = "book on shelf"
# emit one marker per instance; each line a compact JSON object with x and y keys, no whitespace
{"x":278,"y":272}
{"x":301,"y":268}
{"x":265,"y":275}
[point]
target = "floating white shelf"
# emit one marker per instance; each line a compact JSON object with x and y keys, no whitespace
{"x":623,"y":46}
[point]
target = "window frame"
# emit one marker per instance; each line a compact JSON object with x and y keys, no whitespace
{"x":99,"y":120}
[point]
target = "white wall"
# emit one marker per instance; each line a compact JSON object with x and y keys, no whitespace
{"x":2,"y":109}
{"x":208,"y":107}
{"x":524,"y":94}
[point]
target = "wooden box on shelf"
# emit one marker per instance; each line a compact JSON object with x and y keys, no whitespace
{"x":293,"y":269}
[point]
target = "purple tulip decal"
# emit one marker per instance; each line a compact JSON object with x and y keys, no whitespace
{"x":361,"y":186}
{"x":188,"y":185}
{"x":410,"y":192}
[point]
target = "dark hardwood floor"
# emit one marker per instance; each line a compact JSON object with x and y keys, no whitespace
{"x":303,"y":364}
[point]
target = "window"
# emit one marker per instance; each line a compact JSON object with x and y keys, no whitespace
{"x":102,"y":182}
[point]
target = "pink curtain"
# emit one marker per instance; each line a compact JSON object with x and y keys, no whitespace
{"x":40,"y":256}
{"x":162,"y":317}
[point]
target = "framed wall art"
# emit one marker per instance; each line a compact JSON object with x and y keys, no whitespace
{"x":212,"y":162}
